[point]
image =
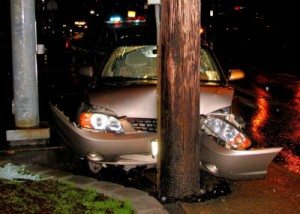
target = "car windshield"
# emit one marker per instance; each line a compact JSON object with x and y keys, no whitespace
{"x":139,"y":62}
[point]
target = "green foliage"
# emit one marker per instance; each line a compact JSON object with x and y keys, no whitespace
{"x":48,"y":196}
{"x":109,"y":206}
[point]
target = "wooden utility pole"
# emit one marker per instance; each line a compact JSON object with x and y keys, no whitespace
{"x":179,"y":175}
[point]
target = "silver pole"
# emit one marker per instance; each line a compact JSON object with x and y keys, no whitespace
{"x":25,"y":82}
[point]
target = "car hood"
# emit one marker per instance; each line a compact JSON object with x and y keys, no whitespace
{"x":140,"y":101}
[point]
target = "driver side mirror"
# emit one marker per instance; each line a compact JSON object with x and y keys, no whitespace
{"x":236,"y":74}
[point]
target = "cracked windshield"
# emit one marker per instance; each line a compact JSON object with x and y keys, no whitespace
{"x":140,"y":62}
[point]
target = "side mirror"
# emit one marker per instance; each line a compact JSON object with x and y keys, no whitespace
{"x":236,"y":74}
{"x":86,"y":71}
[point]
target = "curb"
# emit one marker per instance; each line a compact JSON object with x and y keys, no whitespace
{"x":141,"y":201}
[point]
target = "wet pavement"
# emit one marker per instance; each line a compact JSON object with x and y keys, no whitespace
{"x":278,"y":193}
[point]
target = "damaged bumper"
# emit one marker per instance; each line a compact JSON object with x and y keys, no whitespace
{"x":235,"y":164}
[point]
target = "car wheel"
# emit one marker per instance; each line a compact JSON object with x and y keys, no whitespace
{"x":95,"y":168}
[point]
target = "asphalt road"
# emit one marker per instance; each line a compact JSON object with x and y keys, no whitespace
{"x":278,"y":193}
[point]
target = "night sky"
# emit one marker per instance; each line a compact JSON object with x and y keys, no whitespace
{"x":261,"y":23}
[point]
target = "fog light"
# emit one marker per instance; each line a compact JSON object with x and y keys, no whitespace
{"x":94,"y":157}
{"x":154,"y":147}
{"x":212,"y":168}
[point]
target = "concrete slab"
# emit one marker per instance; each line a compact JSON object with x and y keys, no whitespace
{"x":106,"y":188}
{"x":128,"y":193}
{"x":80,"y":181}
{"x":146,"y":203}
{"x":30,"y":136}
{"x":153,"y":211}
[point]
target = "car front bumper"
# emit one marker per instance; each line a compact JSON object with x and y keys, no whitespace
{"x":131,"y":148}
{"x":134,"y":149}
{"x":235,"y":164}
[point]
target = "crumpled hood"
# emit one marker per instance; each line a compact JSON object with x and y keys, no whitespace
{"x":140,"y":101}
{"x":213,"y":98}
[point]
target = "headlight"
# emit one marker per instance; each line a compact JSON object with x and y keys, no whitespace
{"x":226,"y":131}
{"x":100,"y":122}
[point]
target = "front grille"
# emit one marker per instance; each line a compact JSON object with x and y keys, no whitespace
{"x":142,"y":124}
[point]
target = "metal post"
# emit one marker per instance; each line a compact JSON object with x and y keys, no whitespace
{"x":25,"y":105}
{"x":25,"y":84}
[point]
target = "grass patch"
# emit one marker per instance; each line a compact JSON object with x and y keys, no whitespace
{"x":49,"y":196}
{"x":25,"y":193}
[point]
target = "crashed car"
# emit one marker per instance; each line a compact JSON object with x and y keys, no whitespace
{"x":114,"y":121}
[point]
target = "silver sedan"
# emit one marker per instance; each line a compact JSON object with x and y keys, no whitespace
{"x":115,"y":121}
